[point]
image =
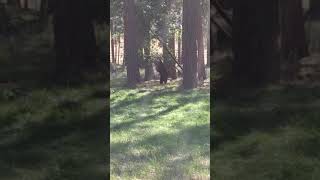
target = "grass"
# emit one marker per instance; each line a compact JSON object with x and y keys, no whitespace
{"x":49,"y":131}
{"x":159,"y":132}
{"x":271,"y":134}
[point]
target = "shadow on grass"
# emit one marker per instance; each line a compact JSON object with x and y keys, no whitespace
{"x":176,"y":151}
{"x":263,"y":111}
{"x":42,"y":143}
{"x":181,"y":101}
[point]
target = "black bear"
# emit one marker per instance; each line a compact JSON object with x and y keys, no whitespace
{"x":162,"y":71}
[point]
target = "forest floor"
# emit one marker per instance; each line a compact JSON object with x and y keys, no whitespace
{"x":47,"y":131}
{"x":159,"y":131}
{"x":270,"y":134}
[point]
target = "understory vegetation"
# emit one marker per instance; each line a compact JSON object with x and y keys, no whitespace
{"x":48,"y":131}
{"x":275,"y":135}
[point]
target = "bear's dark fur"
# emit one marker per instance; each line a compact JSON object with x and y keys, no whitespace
{"x":162,"y":71}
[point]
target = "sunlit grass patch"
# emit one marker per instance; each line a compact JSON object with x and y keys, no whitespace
{"x":159,"y":132}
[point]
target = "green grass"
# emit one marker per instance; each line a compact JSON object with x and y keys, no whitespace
{"x":159,"y":132}
{"x":271,"y":134}
{"x":49,"y":131}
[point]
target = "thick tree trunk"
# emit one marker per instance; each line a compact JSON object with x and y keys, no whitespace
{"x":255,"y":34}
{"x":189,"y":44}
{"x":293,"y":38}
{"x":74,"y":36}
{"x":131,"y":46}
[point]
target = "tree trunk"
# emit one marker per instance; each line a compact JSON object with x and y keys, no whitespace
{"x":189,"y":44}
{"x":201,"y":67}
{"x":26,"y":4}
{"x":131,"y":46}
{"x":125,"y":33}
{"x":171,"y":64}
{"x":293,"y":38}
{"x":179,"y":48}
{"x":208,"y":49}
{"x":74,"y":35}
{"x":119,"y":43}
{"x":112,"y":43}
{"x":149,"y":74}
{"x":44,"y":15}
{"x":115,"y":49}
{"x":255,"y":34}
{"x":179,"y":51}
{"x":164,"y":34}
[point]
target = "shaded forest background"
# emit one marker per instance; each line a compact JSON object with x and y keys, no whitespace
{"x":265,"y":79}
{"x":53,"y":110}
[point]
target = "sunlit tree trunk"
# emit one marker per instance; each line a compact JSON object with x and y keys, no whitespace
{"x":179,"y":48}
{"x":125,"y":33}
{"x":115,"y":49}
{"x":112,"y":43}
{"x":119,"y":45}
{"x":189,"y":44}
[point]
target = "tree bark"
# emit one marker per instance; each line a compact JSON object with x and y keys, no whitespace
{"x":201,"y":67}
{"x":256,"y":51}
{"x":131,"y":46}
{"x":116,"y":49}
{"x":189,"y":44}
{"x":119,"y":44}
{"x":74,"y":36}
{"x":171,"y":64}
{"x":179,"y":48}
{"x":149,"y":73}
{"x":44,"y":15}
{"x":112,"y":43}
{"x":165,"y":36}
{"x":293,"y":38}
{"x":26,"y":4}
